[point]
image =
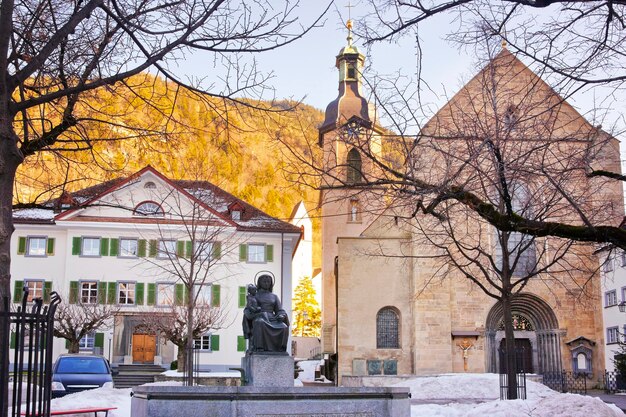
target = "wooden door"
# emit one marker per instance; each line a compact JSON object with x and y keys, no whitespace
{"x":523,"y":355}
{"x":144,"y":348}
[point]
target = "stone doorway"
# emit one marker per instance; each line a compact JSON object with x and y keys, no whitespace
{"x":536,"y":327}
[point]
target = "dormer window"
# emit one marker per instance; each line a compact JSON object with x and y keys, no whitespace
{"x":235,"y":214}
{"x":236,"y":210}
{"x":149,"y":208}
{"x":150,"y":185}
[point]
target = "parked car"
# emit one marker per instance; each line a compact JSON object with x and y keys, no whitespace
{"x":73,"y":373}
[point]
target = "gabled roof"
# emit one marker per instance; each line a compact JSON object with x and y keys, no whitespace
{"x":210,"y":196}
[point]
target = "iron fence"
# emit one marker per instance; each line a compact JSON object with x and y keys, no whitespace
{"x":564,"y":381}
{"x":520,"y":373}
{"x":614,"y":382}
{"x":30,"y":330}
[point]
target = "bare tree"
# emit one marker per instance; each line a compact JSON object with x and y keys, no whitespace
{"x":192,"y":241}
{"x":73,"y":322}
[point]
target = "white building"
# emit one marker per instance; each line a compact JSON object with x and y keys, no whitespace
{"x":111,"y":244}
{"x":613,"y":272}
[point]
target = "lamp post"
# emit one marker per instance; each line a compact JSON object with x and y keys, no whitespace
{"x":622,"y":307}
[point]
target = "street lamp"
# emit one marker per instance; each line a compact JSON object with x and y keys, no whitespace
{"x":622,"y":306}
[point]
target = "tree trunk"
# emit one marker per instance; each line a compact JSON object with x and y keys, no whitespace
{"x":10,"y":159}
{"x":510,"y":354}
{"x":73,"y":346}
{"x":190,"y":327}
{"x":181,"y":358}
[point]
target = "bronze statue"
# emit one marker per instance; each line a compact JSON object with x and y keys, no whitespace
{"x":265,"y":323}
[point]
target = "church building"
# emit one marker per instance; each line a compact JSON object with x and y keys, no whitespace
{"x":392,"y":304}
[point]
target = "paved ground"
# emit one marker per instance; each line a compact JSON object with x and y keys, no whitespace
{"x":617,"y":399}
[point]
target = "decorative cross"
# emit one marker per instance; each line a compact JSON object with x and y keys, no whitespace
{"x":349,"y":7}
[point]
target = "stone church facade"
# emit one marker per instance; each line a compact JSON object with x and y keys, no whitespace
{"x":392,"y":313}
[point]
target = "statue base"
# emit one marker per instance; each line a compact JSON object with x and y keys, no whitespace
{"x":271,"y":369}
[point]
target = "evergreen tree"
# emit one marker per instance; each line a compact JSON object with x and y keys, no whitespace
{"x":307,"y":313}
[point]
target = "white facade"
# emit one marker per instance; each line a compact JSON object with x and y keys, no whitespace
{"x":303,"y":258}
{"x":128,"y":270}
{"x":613,"y":293}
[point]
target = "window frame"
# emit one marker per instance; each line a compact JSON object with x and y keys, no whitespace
{"x":206,"y":252}
{"x":163,"y":251}
{"x":169,"y":284}
{"x":120,"y":246}
{"x":263,"y":253}
{"x":83,"y":239}
{"x":199,"y":341}
{"x":158,"y":212}
{"x":44,"y":248}
{"x":612,"y":331}
{"x":86,"y":346}
{"x":610,"y":298}
{"x":81,"y":289}
{"x":118,"y":293}
{"x":31,"y":295}
{"x":203,"y":301}
{"x":388,"y":339}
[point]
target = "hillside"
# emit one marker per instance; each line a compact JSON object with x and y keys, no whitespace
{"x":185,"y":137}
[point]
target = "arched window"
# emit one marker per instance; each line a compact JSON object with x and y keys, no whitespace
{"x":150,"y":185}
{"x":354,"y":167}
{"x":387,"y":329}
{"x":149,"y":208}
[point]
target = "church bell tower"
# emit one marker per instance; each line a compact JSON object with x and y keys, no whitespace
{"x":349,"y":132}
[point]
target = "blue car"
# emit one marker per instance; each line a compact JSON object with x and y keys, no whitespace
{"x":75,"y":373}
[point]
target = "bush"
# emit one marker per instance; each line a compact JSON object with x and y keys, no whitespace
{"x":174,"y":365}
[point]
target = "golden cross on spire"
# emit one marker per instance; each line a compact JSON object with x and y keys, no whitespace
{"x":349,"y":23}
{"x":349,"y":7}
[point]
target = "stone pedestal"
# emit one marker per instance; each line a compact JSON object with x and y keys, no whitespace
{"x":268,"y":369}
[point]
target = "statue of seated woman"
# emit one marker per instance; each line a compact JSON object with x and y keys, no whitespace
{"x":265,"y":323}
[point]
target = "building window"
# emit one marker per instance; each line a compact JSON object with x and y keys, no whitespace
{"x":235,"y":214}
{"x":387,"y":329}
{"x":202,"y":294}
{"x":256,"y":252}
{"x":165,"y":294}
{"x":203,"y":342}
{"x":353,"y":174}
{"x":89,"y":292}
{"x":150,"y":185}
{"x":166,"y":249}
{"x":87,"y":342}
{"x":623,"y":258}
{"x":35,"y":288}
{"x":128,"y":248}
{"x":90,"y":246}
{"x":354,"y":215}
{"x":610,"y":298}
{"x":203,"y":249}
{"x":126,"y":293}
{"x":612,"y":335}
{"x":149,"y":208}
{"x":36,"y":246}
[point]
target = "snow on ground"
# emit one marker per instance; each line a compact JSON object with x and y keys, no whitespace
{"x":449,"y":395}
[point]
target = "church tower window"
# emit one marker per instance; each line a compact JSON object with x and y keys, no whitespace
{"x":354,"y":167}
{"x":387,"y":329}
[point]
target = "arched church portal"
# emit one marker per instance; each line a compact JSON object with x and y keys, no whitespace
{"x":536,"y":328}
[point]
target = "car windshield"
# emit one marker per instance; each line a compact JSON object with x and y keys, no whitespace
{"x":82,"y":366}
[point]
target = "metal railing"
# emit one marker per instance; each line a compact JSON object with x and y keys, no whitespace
{"x":565,"y":381}
{"x":30,"y":330}
{"x":520,"y":374}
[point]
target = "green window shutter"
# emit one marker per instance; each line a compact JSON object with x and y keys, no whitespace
{"x":47,"y":289}
{"x":243,"y":253}
{"x":217,"y":250}
{"x":242,"y":297}
{"x":180,"y":248}
{"x":99,"y":340}
{"x":104,"y":246}
{"x":21,"y":245}
{"x":241,"y":344}
{"x":113,"y":247}
{"x":141,"y":248}
{"x":152,"y":248}
{"x":18,"y":289}
{"x":188,"y":248}
{"x":13,"y":341}
{"x":50,"y":246}
{"x":139,"y":293}
{"x":179,"y":290}
{"x":215,"y":342}
{"x":112,"y":293}
{"x":269,"y":253}
{"x":215,"y":295}
{"x":151,"y":294}
{"x":102,"y":292}
{"x":76,"y":241}
{"x":73,"y":298}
